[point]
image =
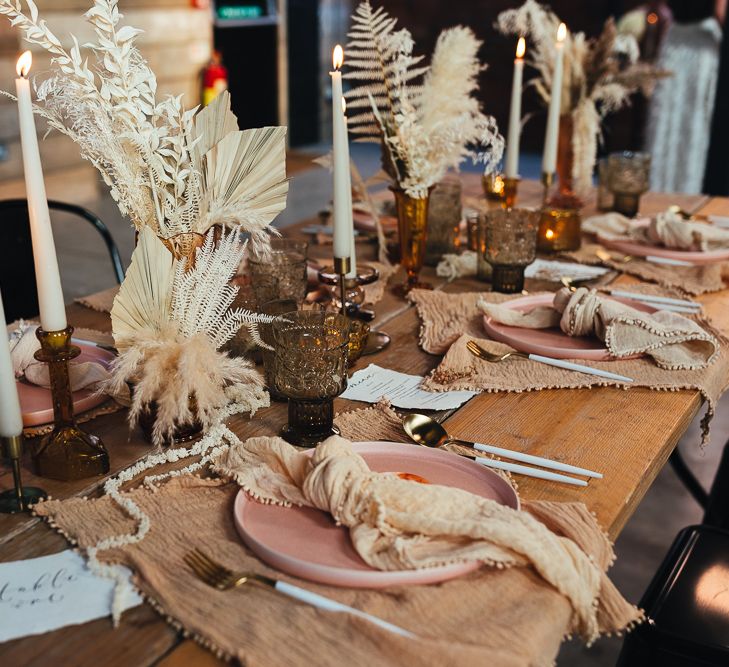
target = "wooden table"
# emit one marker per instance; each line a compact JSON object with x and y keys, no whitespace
{"x":628,"y":435}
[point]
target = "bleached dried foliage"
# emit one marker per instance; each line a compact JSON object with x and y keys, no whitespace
{"x":160,"y":161}
{"x":600,"y":75}
{"x":426,"y":118}
{"x":169,"y":322}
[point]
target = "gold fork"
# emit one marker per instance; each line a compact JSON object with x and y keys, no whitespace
{"x":477,"y":351}
{"x":223,"y":579}
{"x":605,"y":256}
{"x":220,"y":577}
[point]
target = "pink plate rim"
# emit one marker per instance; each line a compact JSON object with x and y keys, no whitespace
{"x":349,"y":578}
{"x":644,"y":250}
{"x":520,"y":345}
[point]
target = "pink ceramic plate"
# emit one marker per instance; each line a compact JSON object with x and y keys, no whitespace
{"x":551,"y":342}
{"x":644,"y":250}
{"x":35,"y":401}
{"x":306,"y":543}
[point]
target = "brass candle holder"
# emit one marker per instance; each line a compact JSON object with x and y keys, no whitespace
{"x":19,"y":498}
{"x":351,"y":296}
{"x":560,"y":225}
{"x":67,"y":452}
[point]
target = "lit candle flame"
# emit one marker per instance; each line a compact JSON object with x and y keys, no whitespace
{"x":24,"y":63}
{"x":337,"y":56}
{"x":520,"y":47}
{"x":561,"y":32}
{"x":550,"y":232}
{"x":344,"y":105}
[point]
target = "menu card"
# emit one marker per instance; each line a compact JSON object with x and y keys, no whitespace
{"x":373,"y":383}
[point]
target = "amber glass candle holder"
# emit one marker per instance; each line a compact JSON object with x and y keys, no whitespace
{"x":560,"y":230}
{"x":511,"y":245}
{"x":628,"y":178}
{"x":444,"y":220}
{"x":310,"y":370}
{"x":353,"y":293}
{"x":280,"y":274}
{"x":511,"y":189}
{"x":358,"y":336}
{"x":412,"y":227}
{"x":493,"y":188}
{"x":67,"y":452}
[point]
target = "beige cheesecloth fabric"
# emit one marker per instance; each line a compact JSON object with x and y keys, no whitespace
{"x":667,"y":229}
{"x":508,"y":617}
{"x":395,"y":524}
{"x":449,"y":321}
{"x":674,"y":342}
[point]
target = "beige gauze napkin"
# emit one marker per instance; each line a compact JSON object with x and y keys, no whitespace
{"x":674,"y":342}
{"x":397,"y":524}
{"x":668,"y":229}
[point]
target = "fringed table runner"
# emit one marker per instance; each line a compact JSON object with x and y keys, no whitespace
{"x":507,"y":617}
{"x":449,"y":321}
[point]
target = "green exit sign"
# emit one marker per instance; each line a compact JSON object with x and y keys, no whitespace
{"x":240,"y":12}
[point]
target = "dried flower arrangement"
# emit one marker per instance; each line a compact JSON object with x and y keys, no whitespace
{"x":174,"y":172}
{"x":600,"y":76}
{"x":167,"y":168}
{"x":427,"y":118}
{"x":169,"y":323}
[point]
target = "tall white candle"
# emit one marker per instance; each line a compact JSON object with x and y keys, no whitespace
{"x":511,"y":168}
{"x":11,"y":421}
{"x":549,"y":159}
{"x":50,"y":294}
{"x":353,"y":253}
{"x":340,"y":164}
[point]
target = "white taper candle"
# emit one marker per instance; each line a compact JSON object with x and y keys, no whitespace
{"x":340,"y":164}
{"x":511,"y":167}
{"x":549,"y":159}
{"x":11,"y":420}
{"x":50,"y":294}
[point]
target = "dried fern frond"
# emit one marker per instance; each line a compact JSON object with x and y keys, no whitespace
{"x":381,"y":59}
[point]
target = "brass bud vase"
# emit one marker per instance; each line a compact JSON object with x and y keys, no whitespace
{"x":412,"y":227}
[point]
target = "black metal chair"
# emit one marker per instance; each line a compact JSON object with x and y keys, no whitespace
{"x":688,"y":604}
{"x":17,"y":273}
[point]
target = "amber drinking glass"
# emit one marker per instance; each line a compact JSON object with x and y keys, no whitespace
{"x":444,"y":220}
{"x":281,"y":274}
{"x":412,"y":227}
{"x":511,"y":245}
{"x":628,"y":176}
{"x":275,"y":307}
{"x":310,"y":369}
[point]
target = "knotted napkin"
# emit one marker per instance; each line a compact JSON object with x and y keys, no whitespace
{"x":674,"y":342}
{"x":398,"y":524}
{"x":668,"y":229}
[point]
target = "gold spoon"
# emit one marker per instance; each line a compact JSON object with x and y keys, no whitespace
{"x":429,"y":433}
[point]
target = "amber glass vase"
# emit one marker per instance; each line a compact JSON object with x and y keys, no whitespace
{"x":412,"y":227}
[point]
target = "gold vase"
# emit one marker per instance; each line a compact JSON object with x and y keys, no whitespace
{"x":412,"y":226}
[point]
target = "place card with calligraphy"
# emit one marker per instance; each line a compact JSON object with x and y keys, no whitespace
{"x":43,"y":594}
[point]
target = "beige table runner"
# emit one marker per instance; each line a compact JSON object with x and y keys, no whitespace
{"x":507,"y":617}
{"x":449,"y":321}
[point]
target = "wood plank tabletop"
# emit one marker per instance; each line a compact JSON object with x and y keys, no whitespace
{"x":626,"y":434}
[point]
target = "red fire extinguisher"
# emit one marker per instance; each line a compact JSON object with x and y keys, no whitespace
{"x":214,"y":78}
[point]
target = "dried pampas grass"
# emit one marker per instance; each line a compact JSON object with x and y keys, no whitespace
{"x":186,"y":378}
